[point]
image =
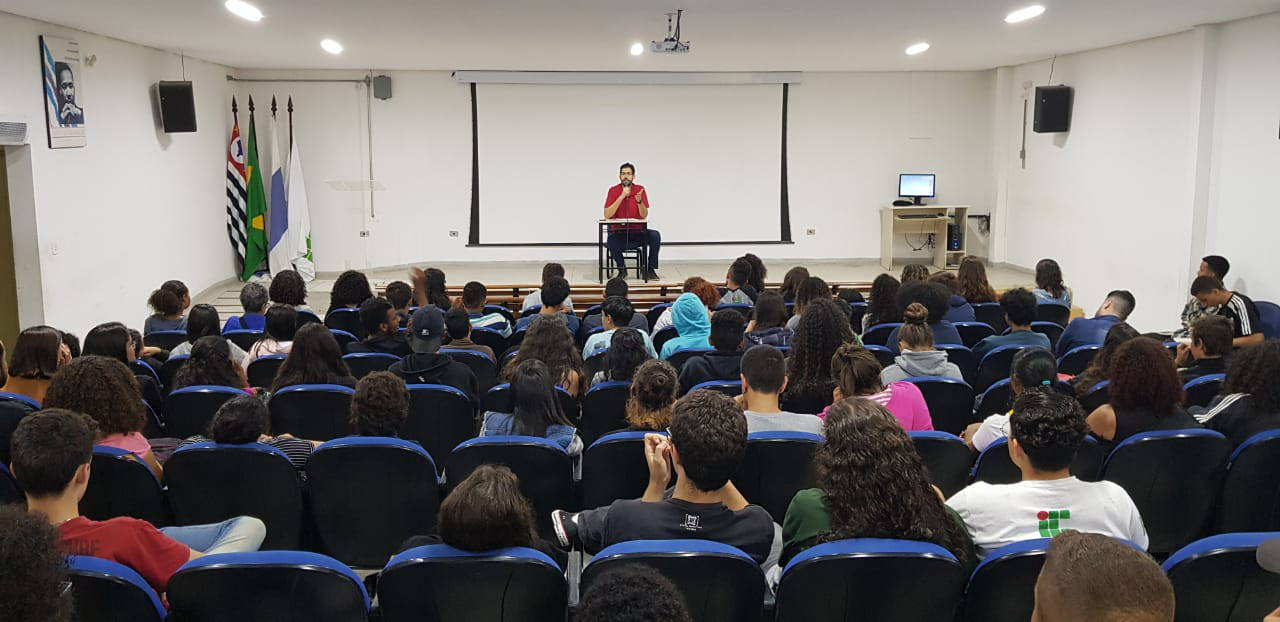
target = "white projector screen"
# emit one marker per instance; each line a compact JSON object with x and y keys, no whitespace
{"x":709,"y":157}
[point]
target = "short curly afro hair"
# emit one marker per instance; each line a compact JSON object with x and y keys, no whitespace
{"x":351,"y":289}
{"x":288,"y":288}
{"x":102,"y":388}
{"x":632,"y":593}
{"x":380,"y":405}
{"x":710,"y":434}
{"x":34,"y":569}
{"x":1049,"y":426}
{"x":1256,"y":371}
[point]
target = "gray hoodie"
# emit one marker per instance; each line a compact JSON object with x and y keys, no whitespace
{"x":928,"y":363}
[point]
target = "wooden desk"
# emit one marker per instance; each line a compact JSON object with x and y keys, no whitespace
{"x":922,"y":220}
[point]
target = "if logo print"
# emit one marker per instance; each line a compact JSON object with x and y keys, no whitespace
{"x":1051,"y":522}
{"x":690,"y":522}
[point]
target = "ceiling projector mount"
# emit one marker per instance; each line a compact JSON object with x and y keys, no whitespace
{"x":672,"y":44}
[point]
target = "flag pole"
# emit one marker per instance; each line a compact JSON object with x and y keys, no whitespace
{"x":251,"y":108}
{"x":290,"y":124}
{"x":273,"y":105}
{"x":234,"y":110}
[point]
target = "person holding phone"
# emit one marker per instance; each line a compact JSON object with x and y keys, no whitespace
{"x":629,"y":200}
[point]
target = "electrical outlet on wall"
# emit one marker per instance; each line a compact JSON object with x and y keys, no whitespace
{"x":364,"y":234}
{"x":811,"y":231}
{"x":453,"y":233}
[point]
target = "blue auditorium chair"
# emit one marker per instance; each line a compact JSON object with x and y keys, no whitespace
{"x":307,"y":317}
{"x":962,"y":357}
{"x":169,"y":370}
{"x":106,"y":591}
{"x":732,"y":388}
{"x":776,"y":466}
{"x":1269,"y":317}
{"x":950,"y":402}
{"x":13,"y":408}
{"x":878,"y":335}
{"x":498,"y":400}
{"x":439,"y":583}
{"x":211,"y":482}
{"x":490,"y":337}
{"x":165,"y":339}
{"x":243,"y":338}
{"x":973,"y":332}
{"x":604,"y":409}
{"x":661,"y":337}
{"x":614,"y":467}
{"x":189,"y":410}
{"x":654,"y":313}
{"x":991,"y":314}
{"x":1054,"y":312}
{"x":1251,"y":493}
{"x":346,"y":319}
{"x":267,"y":585}
{"x":262,"y":371}
{"x":995,"y":366}
{"x":344,"y":338}
{"x":1003,"y":586}
{"x":946,"y":457}
{"x":316,"y":412}
{"x":1200,"y":391}
{"x":362,"y":364}
{"x":544,"y":469}
{"x":1218,"y":578}
{"x":1074,"y":363}
{"x":485,"y":368}
{"x":857,"y":310}
{"x":440,"y":417}
{"x":1096,"y":396}
{"x":122,"y":485}
{"x":883,"y":355}
{"x":681,"y":356}
{"x":995,"y":466}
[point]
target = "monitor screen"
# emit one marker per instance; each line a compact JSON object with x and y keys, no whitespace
{"x":916,"y":185}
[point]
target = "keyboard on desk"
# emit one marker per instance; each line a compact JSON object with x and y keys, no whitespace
{"x":916,"y":216}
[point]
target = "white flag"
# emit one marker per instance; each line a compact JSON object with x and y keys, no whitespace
{"x":279,"y":240}
{"x":299,"y":218}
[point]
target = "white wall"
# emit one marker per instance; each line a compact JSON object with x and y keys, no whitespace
{"x":133,"y":208}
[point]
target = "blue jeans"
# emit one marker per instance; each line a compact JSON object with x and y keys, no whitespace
{"x":627,"y":240}
{"x":236,"y":535}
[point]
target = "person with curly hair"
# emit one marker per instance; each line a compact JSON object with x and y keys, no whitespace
{"x":692,"y":320}
{"x":1049,"y":286}
{"x":277,"y":336}
{"x":1019,"y":306}
{"x":33,"y":588}
{"x":349,"y":290}
{"x":1209,"y":349}
{"x":632,"y":593}
{"x":203,"y":321}
{"x":959,"y":309}
{"x":617,"y":313}
{"x":768,"y":324}
{"x":822,"y":331}
{"x":289,"y":288}
{"x":535,"y":409}
{"x":914,"y":272}
{"x":811,"y":290}
{"x":37,"y":356}
{"x":211,"y":364}
{"x":1090,"y":576}
{"x":380,"y":405}
{"x":253,"y":299}
{"x":1032,"y":367}
{"x":427,"y":365}
{"x":664,"y":320}
{"x":871,"y":484}
{"x":315,"y":358}
{"x":791,"y":282}
{"x":1099,"y":368}
{"x":1046,"y":430}
{"x":107,"y":391}
{"x":548,"y":341}
{"x":1145,"y":394}
{"x":764,"y":378}
{"x":628,"y":349}
{"x":883,"y":306}
{"x":935,"y":299}
{"x":1250,"y":399}
{"x":707,"y":444}
{"x":917,"y":356}
{"x":737,"y":284}
{"x":167,"y":304}
{"x":722,"y":363}
{"x":1084,"y":331}
{"x":758,"y":272}
{"x":653,"y":396}
{"x":857,"y":374}
{"x":244,"y":419}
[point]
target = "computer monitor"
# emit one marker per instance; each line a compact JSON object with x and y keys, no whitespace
{"x":916,"y":186}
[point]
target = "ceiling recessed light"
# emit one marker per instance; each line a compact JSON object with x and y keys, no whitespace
{"x":331,"y":46}
{"x":637,"y":49}
{"x":917,"y":48}
{"x":1022,"y":15}
{"x":244,"y":9}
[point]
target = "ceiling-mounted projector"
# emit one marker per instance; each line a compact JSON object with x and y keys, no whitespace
{"x":672,"y":44}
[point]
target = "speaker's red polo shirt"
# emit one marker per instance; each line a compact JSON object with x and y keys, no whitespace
{"x":629,"y":208}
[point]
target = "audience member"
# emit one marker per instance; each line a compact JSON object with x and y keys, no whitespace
{"x":632,"y":593}
{"x":810,"y":290}
{"x":1019,"y":306}
{"x":1208,"y":351}
{"x":349,"y":290}
{"x":1031,"y":368}
{"x":1212,"y":265}
{"x":883,"y":306}
{"x":1145,"y":394}
{"x":1245,"y":323}
{"x":458,"y":325}
{"x":653,"y":395}
{"x":429,"y":287}
{"x":554,"y":292}
{"x":400,"y":295}
{"x":167,"y":305}
{"x":1046,"y":430}
{"x":871,"y":484}
{"x":707,"y":444}
{"x":758,"y":272}
{"x":315,"y":358}
{"x":973,"y":281}
{"x":1091,"y":576}
{"x":107,"y":391}
{"x":722,"y":363}
{"x":664,"y":319}
{"x":277,"y":335}
{"x":857,"y":374}
{"x":38,"y":354}
{"x":113,"y":340}
{"x":791,"y":283}
{"x":934,"y":297}
{"x":244,"y":419}
{"x":474,"y":298}
{"x":737,"y":284}
{"x":382,"y":324}
{"x":818,"y":337}
{"x":546,"y":341}
{"x":628,"y":349}
{"x":34,"y":569}
{"x":535,"y":409}
{"x":615,"y":312}
{"x":914,"y":272}
{"x":210,"y":364}
{"x":693,"y":325}
{"x":1049,"y":286}
{"x":764,"y":378}
{"x":427,"y":365}
{"x":768,"y":323}
{"x":549,"y":271}
{"x":1250,"y":399}
{"x":203,"y":321}
{"x":1099,"y":368}
{"x":51,"y":455}
{"x":617,"y":286}
{"x":1092,"y":331}
{"x":72,"y":342}
{"x":380,"y":405}
{"x":289,"y":288}
{"x":958,"y":309}
{"x":151,"y":355}
{"x":917,"y":356}
{"x":253,"y":299}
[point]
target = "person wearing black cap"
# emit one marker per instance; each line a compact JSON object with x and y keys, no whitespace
{"x":426,"y":365}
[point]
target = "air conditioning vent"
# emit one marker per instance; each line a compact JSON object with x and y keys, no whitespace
{"x":13,"y":132}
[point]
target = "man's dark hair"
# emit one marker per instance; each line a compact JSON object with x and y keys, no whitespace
{"x":288,"y":288}
{"x":1048,"y":426}
{"x":203,"y":321}
{"x":617,"y":286}
{"x":281,"y":322}
{"x":740,"y":271}
{"x":380,"y":405}
{"x":474,"y":293}
{"x":554,"y":291}
{"x":48,"y":447}
{"x":1019,"y":305}
{"x":764,"y":368}
{"x":710,"y":433}
{"x":457,"y":323}
{"x":726,"y":330}
{"x":619,"y":310}
{"x":1091,"y":576}
{"x":552,"y":269}
{"x":1206,"y":284}
{"x":1214,"y":333}
{"x":1218,"y":264}
{"x":399,"y":293}
{"x":632,"y":593}
{"x":627,"y":165}
{"x":34,"y":589}
{"x":1124,"y":302}
{"x":934,"y":296}
{"x":241,"y":419}
{"x":373,"y":314}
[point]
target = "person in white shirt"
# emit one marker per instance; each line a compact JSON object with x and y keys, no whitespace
{"x":1046,"y":430}
{"x":1032,"y":367}
{"x":616,"y":312}
{"x":764,"y":377}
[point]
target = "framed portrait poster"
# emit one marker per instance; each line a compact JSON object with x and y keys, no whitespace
{"x":64,"y":97}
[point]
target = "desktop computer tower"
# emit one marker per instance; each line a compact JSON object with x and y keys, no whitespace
{"x":953,"y":237}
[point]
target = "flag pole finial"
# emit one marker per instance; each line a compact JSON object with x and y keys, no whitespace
{"x":290,"y":106}
{"x":273,"y":105}
{"x":251,"y":108}
{"x":234,"y":108}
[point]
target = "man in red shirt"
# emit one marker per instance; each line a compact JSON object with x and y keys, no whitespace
{"x":51,"y":454}
{"x":628,"y":200}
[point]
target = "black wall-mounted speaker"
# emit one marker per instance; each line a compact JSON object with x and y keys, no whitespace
{"x":177,"y":106}
{"x":1053,"y":109}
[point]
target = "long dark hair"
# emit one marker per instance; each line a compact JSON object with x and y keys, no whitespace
{"x":1256,"y":371}
{"x":281,"y":323}
{"x":535,"y":404}
{"x":875,"y":483}
{"x":110,"y":339}
{"x":1049,"y":277}
{"x":1143,"y":376}
{"x":770,"y":311}
{"x":626,"y":353}
{"x":1100,"y":367}
{"x":791,"y":282}
{"x":315,"y":358}
{"x":202,"y":321}
{"x":822,"y":330}
{"x":974,"y":286}
{"x":351,"y":289}
{"x":487,"y":511}
{"x":758,"y":272}
{"x":35,"y":353}
{"x":210,"y":363}
{"x":883,"y":306}
{"x":548,"y":340}
{"x":435,"y":285}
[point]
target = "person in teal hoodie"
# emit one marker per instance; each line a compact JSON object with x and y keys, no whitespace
{"x":693,"y":325}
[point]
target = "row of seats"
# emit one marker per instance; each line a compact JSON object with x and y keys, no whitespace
{"x":1216,"y":578}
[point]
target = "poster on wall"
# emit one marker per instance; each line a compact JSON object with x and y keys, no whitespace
{"x":64,"y":98}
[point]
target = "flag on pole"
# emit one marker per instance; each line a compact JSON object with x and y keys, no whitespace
{"x":236,"y":195}
{"x":299,"y":217}
{"x":280,"y":242}
{"x":255,"y":229}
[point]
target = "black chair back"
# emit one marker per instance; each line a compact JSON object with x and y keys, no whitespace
{"x":973,"y":332}
{"x":307,"y":317}
{"x":950,"y":402}
{"x":262,"y":371}
{"x":344,"y":338}
{"x":682,"y":356}
{"x":13,"y":407}
{"x":316,"y":412}
{"x":485,"y":368}
{"x":498,"y":399}
{"x":777,"y":466}
{"x":440,"y":417}
{"x":191,"y":409}
{"x":362,"y":364}
{"x":883,"y":355}
{"x":995,"y":400}
{"x":122,"y":485}
{"x":210,"y":483}
{"x":878,"y":335}
{"x":857,"y":310}
{"x":165,"y":339}
{"x":732,"y":388}
{"x":946,"y":457}
{"x":490,"y":337}
{"x":105,"y":591}
{"x":1097,"y":396}
{"x":271,"y":585}
{"x":438,"y":583}
{"x":543,"y":468}
{"x":503,"y":311}
{"x":1251,"y":493}
{"x":1054,"y":312}
{"x":964,"y":358}
{"x":9,"y":491}
{"x":613,"y":468}
{"x":594,"y":363}
{"x":1077,"y":360}
{"x":991,"y":314}
{"x":243,"y":338}
{"x":604,"y":410}
{"x":1202,"y":390}
{"x":655,"y":313}
{"x":718,"y":582}
{"x":995,"y":366}
{"x":1051,"y":330}
{"x":995,"y":466}
{"x":170,"y":369}
{"x":661,"y":337}
{"x":346,"y":319}
{"x":1219,"y":578}
{"x":1003,"y":587}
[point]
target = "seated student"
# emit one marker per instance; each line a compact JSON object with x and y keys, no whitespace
{"x":1215,"y":266}
{"x":1145,"y":394}
{"x":253,"y":299}
{"x":857,"y":374}
{"x":535,"y":410}
{"x":737,"y":290}
{"x":764,"y":378}
{"x":277,"y":334}
{"x":51,"y":455}
{"x":914,"y":272}
{"x":958,"y":309}
{"x":288,"y":288}
{"x":615,"y":312}
{"x":546,"y":341}
{"x":211,"y":364}
{"x":1099,"y":368}
{"x":972,"y":278}
{"x":315,"y":358}
{"x":822,"y":331}
{"x":167,"y":304}
{"x":38,"y":354}
{"x":349,"y":290}
{"x":113,"y":340}
{"x":427,"y":365}
{"x":1093,"y":331}
{"x":381,"y":323}
{"x":809,"y":290}
{"x":632,"y":593}
{"x":474,"y":297}
{"x":554,"y":292}
{"x":723,"y":363}
{"x":933,"y":297}
{"x":617,"y":286}
{"x":380,"y":405}
{"x":791,"y":283}
{"x":72,"y":342}
{"x":871,"y":484}
{"x":1250,"y":399}
{"x":429,"y":288}
{"x":1090,"y":576}
{"x":664,"y":319}
{"x":244,"y":419}
{"x":653,"y":395}
{"x":550,"y":271}
{"x":693,"y":325}
{"x":768,"y":323}
{"x":707,"y":444}
{"x":917,"y":356}
{"x":1019,"y":306}
{"x":758,"y":272}
{"x":151,"y":355}
{"x":1046,"y":429}
{"x":628,"y":349}
{"x":1032,"y":367}
{"x":1208,"y":351}
{"x":107,"y":391}
{"x":1049,"y":286}
{"x":400,"y":294}
{"x":203,"y":321}
{"x":1245,"y":323}
{"x":458,"y":325}
{"x":883,"y":306}
{"x":35,"y":585}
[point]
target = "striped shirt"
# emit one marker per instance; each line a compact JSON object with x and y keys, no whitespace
{"x":298,"y":450}
{"x":1243,"y":315}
